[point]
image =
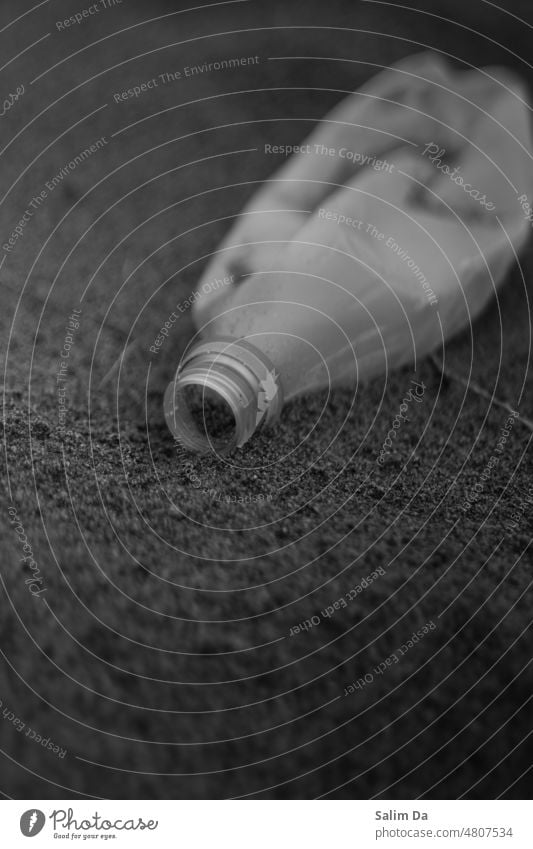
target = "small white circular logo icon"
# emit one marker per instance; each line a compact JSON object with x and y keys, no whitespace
{"x":32,"y":822}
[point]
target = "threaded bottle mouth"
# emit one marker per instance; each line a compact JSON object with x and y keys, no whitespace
{"x":223,"y":391}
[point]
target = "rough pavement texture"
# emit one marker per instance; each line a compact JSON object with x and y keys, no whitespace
{"x":159,"y":654}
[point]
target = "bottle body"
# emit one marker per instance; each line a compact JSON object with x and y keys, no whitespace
{"x":364,"y":273}
{"x":354,"y":298}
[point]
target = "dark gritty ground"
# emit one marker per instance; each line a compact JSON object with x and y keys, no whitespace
{"x":159,"y":653}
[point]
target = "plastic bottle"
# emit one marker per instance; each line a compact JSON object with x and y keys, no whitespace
{"x":385,"y":235}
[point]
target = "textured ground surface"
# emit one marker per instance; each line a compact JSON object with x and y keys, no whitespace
{"x":158,"y":655}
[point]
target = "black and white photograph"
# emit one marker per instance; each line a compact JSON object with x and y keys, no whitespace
{"x":266,"y":275}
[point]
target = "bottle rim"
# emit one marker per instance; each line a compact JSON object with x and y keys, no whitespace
{"x":241,"y":376}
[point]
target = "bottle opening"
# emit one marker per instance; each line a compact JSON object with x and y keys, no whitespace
{"x":223,"y":391}
{"x":211,"y":416}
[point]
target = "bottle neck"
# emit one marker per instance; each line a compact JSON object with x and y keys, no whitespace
{"x":233,"y":374}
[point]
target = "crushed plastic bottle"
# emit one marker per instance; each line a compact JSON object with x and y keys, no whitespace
{"x":387,"y":234}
